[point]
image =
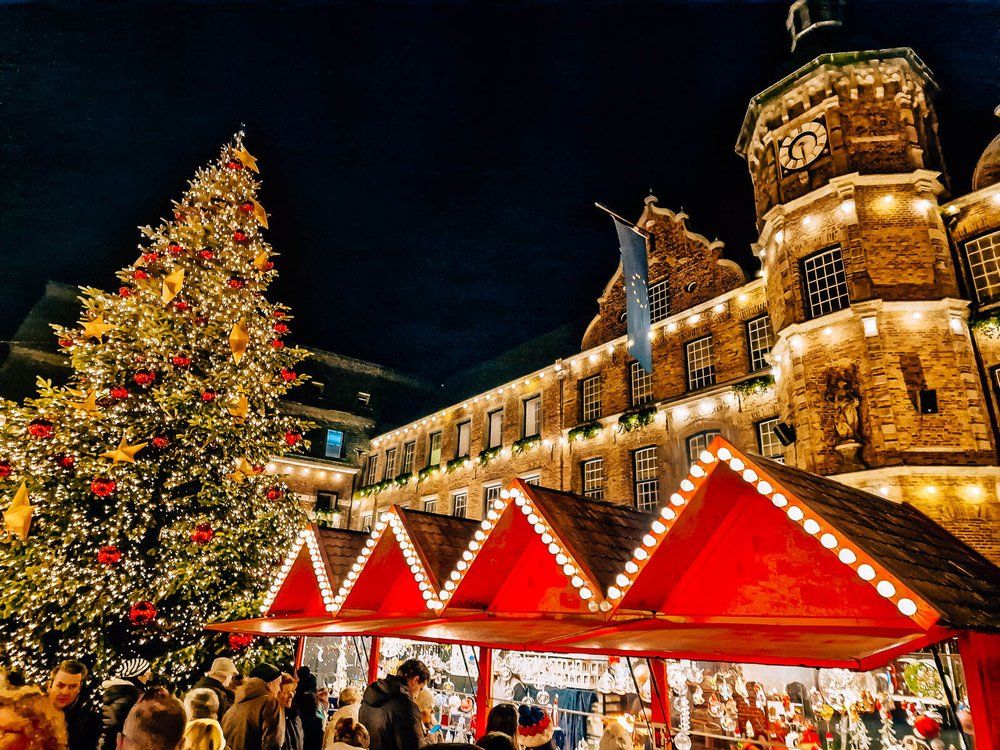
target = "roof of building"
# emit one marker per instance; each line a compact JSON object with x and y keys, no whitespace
{"x":988,"y":167}
{"x":441,"y":539}
{"x":341,"y":548}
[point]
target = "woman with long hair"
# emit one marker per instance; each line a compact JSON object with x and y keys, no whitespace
{"x":28,"y":721}
{"x":204,"y":734}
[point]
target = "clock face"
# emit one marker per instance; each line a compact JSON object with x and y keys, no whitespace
{"x":802,"y":145}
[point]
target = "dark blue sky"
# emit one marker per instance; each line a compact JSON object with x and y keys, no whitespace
{"x":430,"y":168}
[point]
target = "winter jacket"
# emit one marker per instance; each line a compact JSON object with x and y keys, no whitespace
{"x":308,"y":710}
{"x":118,"y":698}
{"x":82,"y":725}
{"x":255,"y":721}
{"x":293,"y":730}
{"x":226,"y":696}
{"x":391,"y":716}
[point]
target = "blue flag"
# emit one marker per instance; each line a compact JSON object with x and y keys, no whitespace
{"x":635,"y":275}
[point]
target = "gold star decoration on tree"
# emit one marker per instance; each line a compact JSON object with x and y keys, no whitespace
{"x":240,"y":409}
{"x":124,"y":452}
{"x":260,"y":260}
{"x":96,"y":328}
{"x":88,"y":402}
{"x":259,"y":213}
{"x":172,"y":285}
{"x":247,"y":160}
{"x":17,"y":517}
{"x":238,"y":339}
{"x":244,"y":470}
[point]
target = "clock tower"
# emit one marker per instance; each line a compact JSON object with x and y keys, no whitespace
{"x":874,"y":363}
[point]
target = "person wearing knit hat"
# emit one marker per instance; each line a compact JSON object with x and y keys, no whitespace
{"x":218,"y":679}
{"x":256,"y":720}
{"x":534,"y":728}
{"x":121,"y":693}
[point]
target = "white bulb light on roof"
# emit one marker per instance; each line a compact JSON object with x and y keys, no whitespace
{"x":658,"y":527}
{"x":474,"y":545}
{"x":677,"y":499}
{"x":749,"y":475}
{"x":631,"y":568}
{"x":736,"y":464}
{"x":687,"y":485}
{"x":614,"y":592}
{"x":706,"y":457}
{"x":480,"y":535}
{"x":455,"y":575}
{"x":764,"y":487}
{"x":847,"y":556}
{"x":461,"y":565}
{"x":697,"y":471}
{"x":795,"y":513}
{"x":499,"y":504}
{"x":622,"y":580}
{"x":669,"y":514}
{"x":886,"y":589}
{"x":568,"y":569}
{"x":532,"y":519}
{"x":586,"y":593}
{"x":828,"y":540}
{"x":576,"y":581}
{"x":649,"y":540}
{"x":811,"y":526}
{"x":444,"y":595}
{"x":505,"y":493}
{"x":907,"y":606}
{"x":866,"y":572}
{"x":467,"y":556}
{"x":546,"y":538}
{"x":779,"y":500}
{"x":449,"y":584}
{"x":640,"y":554}
{"x":561,"y":559}
{"x":553,"y":548}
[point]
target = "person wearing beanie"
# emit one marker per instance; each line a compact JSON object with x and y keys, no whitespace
{"x":534,"y":728}
{"x":218,"y":679}
{"x":120,"y":693}
{"x":256,"y":720}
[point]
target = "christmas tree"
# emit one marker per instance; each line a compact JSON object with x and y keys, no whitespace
{"x":137,"y":507}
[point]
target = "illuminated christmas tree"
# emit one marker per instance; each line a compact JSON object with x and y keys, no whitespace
{"x":137,"y":506}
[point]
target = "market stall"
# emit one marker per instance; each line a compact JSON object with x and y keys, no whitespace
{"x":749,"y":566}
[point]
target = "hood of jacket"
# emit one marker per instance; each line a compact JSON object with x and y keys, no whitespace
{"x":252,"y":689}
{"x":382,"y":691}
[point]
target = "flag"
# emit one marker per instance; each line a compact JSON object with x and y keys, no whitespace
{"x":635,"y":275}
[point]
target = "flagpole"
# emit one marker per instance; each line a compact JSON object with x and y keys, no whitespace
{"x":623,"y":220}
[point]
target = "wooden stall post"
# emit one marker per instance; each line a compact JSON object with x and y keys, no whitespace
{"x":484,"y":688}
{"x":981,"y":663}
{"x":373,"y":659}
{"x":300,"y":649}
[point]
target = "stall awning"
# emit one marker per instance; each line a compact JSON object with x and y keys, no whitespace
{"x":749,"y":560}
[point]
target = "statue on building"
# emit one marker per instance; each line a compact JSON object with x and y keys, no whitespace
{"x":845,"y":413}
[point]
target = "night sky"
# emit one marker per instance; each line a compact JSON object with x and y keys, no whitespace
{"x":430,"y":168}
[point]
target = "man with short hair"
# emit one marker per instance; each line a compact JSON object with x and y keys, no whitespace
{"x":389,"y":711}
{"x":256,"y":720}
{"x":156,"y":722}
{"x":65,"y":684}
{"x":218,"y":678}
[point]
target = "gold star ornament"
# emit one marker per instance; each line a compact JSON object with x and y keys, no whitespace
{"x":247,"y":160}
{"x":124,"y":452}
{"x":260,"y":260}
{"x":88,"y":403}
{"x":240,"y":409}
{"x":244,"y":470}
{"x":259,"y":213}
{"x":172,"y":285}
{"x":239,"y":337}
{"x":96,"y":328}
{"x":17,"y":517}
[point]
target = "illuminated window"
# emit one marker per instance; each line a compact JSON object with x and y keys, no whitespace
{"x":760,"y":338}
{"x":390,"y":463}
{"x":825,"y":282}
{"x":463,"y":439}
{"x":642,"y":385}
{"x":767,"y":440}
{"x":334,"y":444}
{"x":590,"y":398}
{"x":700,"y":442}
{"x":460,"y":503}
{"x":408,"y":450}
{"x":533,"y":479}
{"x":700,"y":363}
{"x":494,"y":426}
{"x":366,"y":521}
{"x":434,"y":449}
{"x":593,"y":478}
{"x":327,"y":501}
{"x":646,"y":481}
{"x":429,"y":504}
{"x":659,"y":301}
{"x":491,"y":492}
{"x":984,"y":263}
{"x":532,"y":416}
{"x":371,"y":471}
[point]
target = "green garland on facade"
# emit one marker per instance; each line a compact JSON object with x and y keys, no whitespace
{"x":634,"y":420}
{"x":987,"y":324}
{"x":427,"y":472}
{"x":327,"y":519}
{"x":455,"y":464}
{"x":403,"y":479}
{"x":488,"y":455}
{"x":754,"y":385}
{"x":585,"y":431}
{"x":525,"y":444}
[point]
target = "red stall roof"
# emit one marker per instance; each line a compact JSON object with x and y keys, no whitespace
{"x":749,"y":560}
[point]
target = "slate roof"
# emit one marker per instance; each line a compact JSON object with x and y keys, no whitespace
{"x":949,"y":574}
{"x":441,"y":539}
{"x":341,"y":548}
{"x":601,"y":535}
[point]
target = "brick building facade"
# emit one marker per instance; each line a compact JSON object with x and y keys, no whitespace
{"x":869,"y":339}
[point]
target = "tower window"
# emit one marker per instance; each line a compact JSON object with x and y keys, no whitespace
{"x":593,"y":478}
{"x":646,"y":481}
{"x":659,"y":301}
{"x":642,"y":385}
{"x":984,"y":263}
{"x":825,"y":282}
{"x":390,"y":463}
{"x":767,"y":440}
{"x":334,"y":444}
{"x":699,"y":442}
{"x":760,"y":339}
{"x":590,"y":398}
{"x":700,"y":363}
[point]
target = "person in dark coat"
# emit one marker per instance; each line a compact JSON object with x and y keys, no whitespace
{"x":389,"y":711}
{"x":293,"y":724}
{"x":121,"y":692}
{"x":82,"y":724}
{"x":256,"y":720}
{"x":311,"y":706}
{"x":218,"y":679}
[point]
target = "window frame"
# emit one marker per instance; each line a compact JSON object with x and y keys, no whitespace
{"x":335,"y":505}
{"x":367,"y":522}
{"x":967,"y":262}
{"x":524,"y":415}
{"x":371,"y":469}
{"x":326,"y":443}
{"x":750,"y":348}
{"x":598,"y":492}
{"x":430,"y":447}
{"x":633,"y":364}
{"x":455,"y":494}
{"x":780,"y":458}
{"x":487,"y":488}
{"x":662,"y":283}
{"x":431,"y":500}
{"x":458,"y":439}
{"x":637,"y":483}
{"x":687,"y":443}
{"x":807,"y":310}
{"x":585,"y":414}
{"x":489,"y":429}
{"x":390,"y":463}
{"x":535,"y":480}
{"x":409,"y":457}
{"x":688,"y":375}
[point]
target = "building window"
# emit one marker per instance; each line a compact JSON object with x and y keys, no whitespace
{"x":491,"y":492}
{"x":371,"y":471}
{"x":535,"y":480}
{"x":494,"y":428}
{"x":366,"y":521}
{"x":659,"y":301}
{"x":460,"y":503}
{"x":825,"y":282}
{"x":408,"y":450}
{"x":984,"y":263}
{"x":463,"y":439}
{"x":334,"y":444}
{"x":532,"y":416}
{"x":700,"y":442}
{"x":434,"y":449}
{"x":700,"y":363}
{"x":593,"y":478}
{"x":767,"y":440}
{"x":760,"y":338}
{"x":327,"y":502}
{"x":590,"y":398}
{"x":390,"y":463}
{"x":429,"y":504}
{"x":646,"y":483}
{"x":642,"y":385}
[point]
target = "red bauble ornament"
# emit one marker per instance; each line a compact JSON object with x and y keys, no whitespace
{"x":280,"y":328}
{"x":239,"y":641}
{"x":202,"y":533}
{"x":234,"y":165}
{"x":206,"y":254}
{"x":142,"y":613}
{"x":181,"y":360}
{"x":274,"y":493}
{"x":292,"y":437}
{"x":180,"y":305}
{"x":174,"y":249}
{"x":201,"y":320}
{"x":278,"y":314}
{"x":65,"y":461}
{"x":239,"y":236}
{"x":102,"y":486}
{"x":246,"y":207}
{"x":150,"y":257}
{"x":160,"y":442}
{"x":124,"y":291}
{"x":5,"y":469}
{"x":144,"y":377}
{"x":277,"y":343}
{"x":809,"y":737}
{"x":139,"y":274}
{"x":268,"y":265}
{"x":119,"y":392}
{"x":65,"y":343}
{"x":927,"y":727}
{"x":288,"y":375}
{"x":109,"y":555}
{"x":236,"y":283}
{"x":208,"y":396}
{"x":40,"y":428}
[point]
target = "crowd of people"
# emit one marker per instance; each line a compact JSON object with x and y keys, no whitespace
{"x":266,"y":709}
